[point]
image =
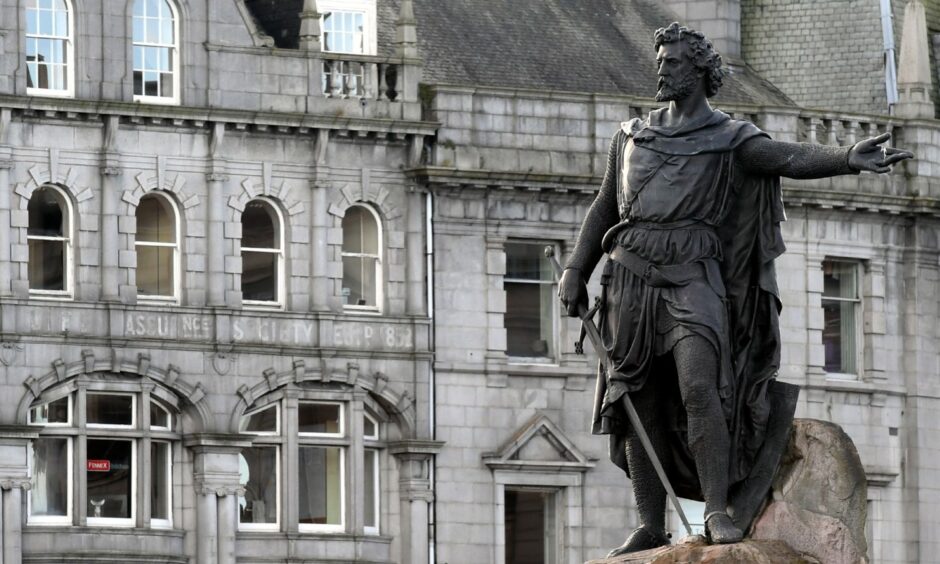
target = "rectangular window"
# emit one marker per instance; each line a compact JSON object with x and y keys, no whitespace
{"x":259,"y":276}
{"x":110,"y":476}
{"x":343,"y":32}
{"x":109,"y":409}
{"x":321,"y":488}
{"x":258,"y":473}
{"x":47,"y":264}
{"x":50,"y":480}
{"x":371,"y":483}
{"x":161,"y":465}
{"x":265,"y":421}
{"x":320,"y":418}
{"x":530,"y":526}
{"x":841,"y":303}
{"x":530,"y":303}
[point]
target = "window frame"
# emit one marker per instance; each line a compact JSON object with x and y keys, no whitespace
{"x":858,"y":265}
{"x":379,"y":257}
{"x":280,"y":288}
{"x":369,"y":25}
{"x":553,"y":358}
{"x":134,"y":424}
{"x":67,"y":247}
{"x":177,"y":282}
{"x":278,"y":445}
{"x":173,"y":100}
{"x":62,"y":520}
{"x":140,"y":435}
{"x":69,"y":91}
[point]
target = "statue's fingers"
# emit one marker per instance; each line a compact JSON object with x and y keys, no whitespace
{"x":891,"y":159}
{"x":872,"y":143}
{"x":895,"y":151}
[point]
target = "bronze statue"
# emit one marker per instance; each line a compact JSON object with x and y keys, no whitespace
{"x":689,"y":213}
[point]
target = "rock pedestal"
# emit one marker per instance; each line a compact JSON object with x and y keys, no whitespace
{"x":820,"y":492}
{"x":747,"y":552}
{"x":816,"y":513}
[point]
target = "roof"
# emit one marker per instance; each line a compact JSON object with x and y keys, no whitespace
{"x":596,"y":46}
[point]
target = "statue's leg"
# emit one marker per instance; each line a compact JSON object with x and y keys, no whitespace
{"x":709,"y":441}
{"x":648,"y":491}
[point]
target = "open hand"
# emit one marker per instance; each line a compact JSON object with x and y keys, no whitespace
{"x":871,"y":156}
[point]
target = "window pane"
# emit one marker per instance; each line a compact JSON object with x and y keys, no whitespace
{"x":155,"y":271}
{"x":839,"y":334}
{"x":369,"y":428}
{"x":166,"y":84}
{"x":352,"y":230}
{"x":47,"y":216}
{"x":528,"y":530}
{"x":529,"y":319}
{"x":259,"y":226}
{"x":160,"y":480}
{"x":259,"y":276}
{"x":109,"y":409}
{"x":526,"y":261}
{"x":109,"y":476}
{"x":359,"y":280}
{"x":257,"y":467}
{"x":53,"y":412}
{"x":839,"y":280}
{"x":264,"y":421}
{"x":156,"y":220}
{"x":49,"y":481}
{"x":370,"y":478}
{"x":159,"y":417}
{"x":320,"y":489}
{"x":31,"y":25}
{"x":318,"y":418}
{"x":47,"y":265}
{"x":166,"y":28}
{"x":151,"y":84}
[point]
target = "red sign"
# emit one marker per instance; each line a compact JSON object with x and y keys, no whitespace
{"x":99,"y":465}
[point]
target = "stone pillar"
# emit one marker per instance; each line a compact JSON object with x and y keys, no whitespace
{"x":406,"y":47}
{"x":414,"y":485}
{"x":14,"y":480}
{"x":719,"y":20}
{"x":216,"y":476}
{"x":320,"y":289}
{"x":415,"y":247}
{"x":215,"y":242}
{"x":109,"y":234}
{"x":310,"y":27}
{"x":6,"y":276}
{"x":914,"y":79}
{"x":815,"y":395}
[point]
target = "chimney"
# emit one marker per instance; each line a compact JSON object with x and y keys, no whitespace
{"x":719,"y":20}
{"x":914,"y":80}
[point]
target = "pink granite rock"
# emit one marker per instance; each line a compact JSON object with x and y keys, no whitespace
{"x":819,"y":503}
{"x":697,"y":551}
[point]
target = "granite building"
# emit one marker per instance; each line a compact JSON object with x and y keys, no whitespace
{"x":272,"y":286}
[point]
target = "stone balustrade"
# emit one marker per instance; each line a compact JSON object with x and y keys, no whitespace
{"x":358,"y":76}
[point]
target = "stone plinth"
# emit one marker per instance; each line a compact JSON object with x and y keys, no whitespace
{"x":747,"y":552}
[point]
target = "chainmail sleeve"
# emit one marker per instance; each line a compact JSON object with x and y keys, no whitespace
{"x":601,"y":216}
{"x":762,"y":155}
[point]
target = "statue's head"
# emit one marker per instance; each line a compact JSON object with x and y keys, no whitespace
{"x":684,"y":59}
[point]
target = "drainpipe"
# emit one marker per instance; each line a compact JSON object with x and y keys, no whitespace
{"x":891,"y":72}
{"x":429,"y":266}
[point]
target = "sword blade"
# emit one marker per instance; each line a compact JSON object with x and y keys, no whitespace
{"x":632,"y":415}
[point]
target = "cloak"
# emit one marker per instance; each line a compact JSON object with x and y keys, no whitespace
{"x":750,"y":236}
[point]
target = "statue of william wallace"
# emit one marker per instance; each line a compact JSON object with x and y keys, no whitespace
{"x":689,"y":213}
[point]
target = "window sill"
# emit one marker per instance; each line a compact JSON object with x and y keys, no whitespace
{"x":50,"y":93}
{"x":52,"y":297}
{"x":250,"y":305}
{"x":362,"y":310}
{"x":157,"y":100}
{"x":103,"y":530}
{"x":267,"y":536}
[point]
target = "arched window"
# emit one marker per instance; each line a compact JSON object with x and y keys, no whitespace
{"x":362,"y":259}
{"x":49,"y":48}
{"x":50,"y":241}
{"x":157,"y":247}
{"x":315,"y":440}
{"x":109,"y":433}
{"x":262,"y":253}
{"x":156,"y":51}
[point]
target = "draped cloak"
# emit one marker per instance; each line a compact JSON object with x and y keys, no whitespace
{"x":683,"y":199}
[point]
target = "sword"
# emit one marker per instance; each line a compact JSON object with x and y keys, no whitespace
{"x":588,"y":326}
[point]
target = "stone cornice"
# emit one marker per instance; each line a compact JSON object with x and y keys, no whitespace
{"x":186,"y":116}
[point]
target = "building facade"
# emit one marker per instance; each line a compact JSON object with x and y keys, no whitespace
{"x":272,"y":282}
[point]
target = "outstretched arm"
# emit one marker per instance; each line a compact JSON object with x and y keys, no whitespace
{"x":761,"y":155}
{"x":601,"y":216}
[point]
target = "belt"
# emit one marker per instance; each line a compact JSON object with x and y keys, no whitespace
{"x":658,"y":275}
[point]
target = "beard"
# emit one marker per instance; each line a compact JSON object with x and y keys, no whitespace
{"x":676,"y":90}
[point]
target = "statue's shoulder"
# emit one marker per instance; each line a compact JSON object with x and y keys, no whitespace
{"x":629,"y":128}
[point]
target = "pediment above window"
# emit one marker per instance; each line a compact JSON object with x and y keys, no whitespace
{"x":539,"y":445}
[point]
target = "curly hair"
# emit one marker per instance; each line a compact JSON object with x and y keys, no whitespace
{"x":701,"y":52}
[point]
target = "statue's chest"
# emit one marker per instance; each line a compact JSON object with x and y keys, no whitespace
{"x":659,"y":181}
